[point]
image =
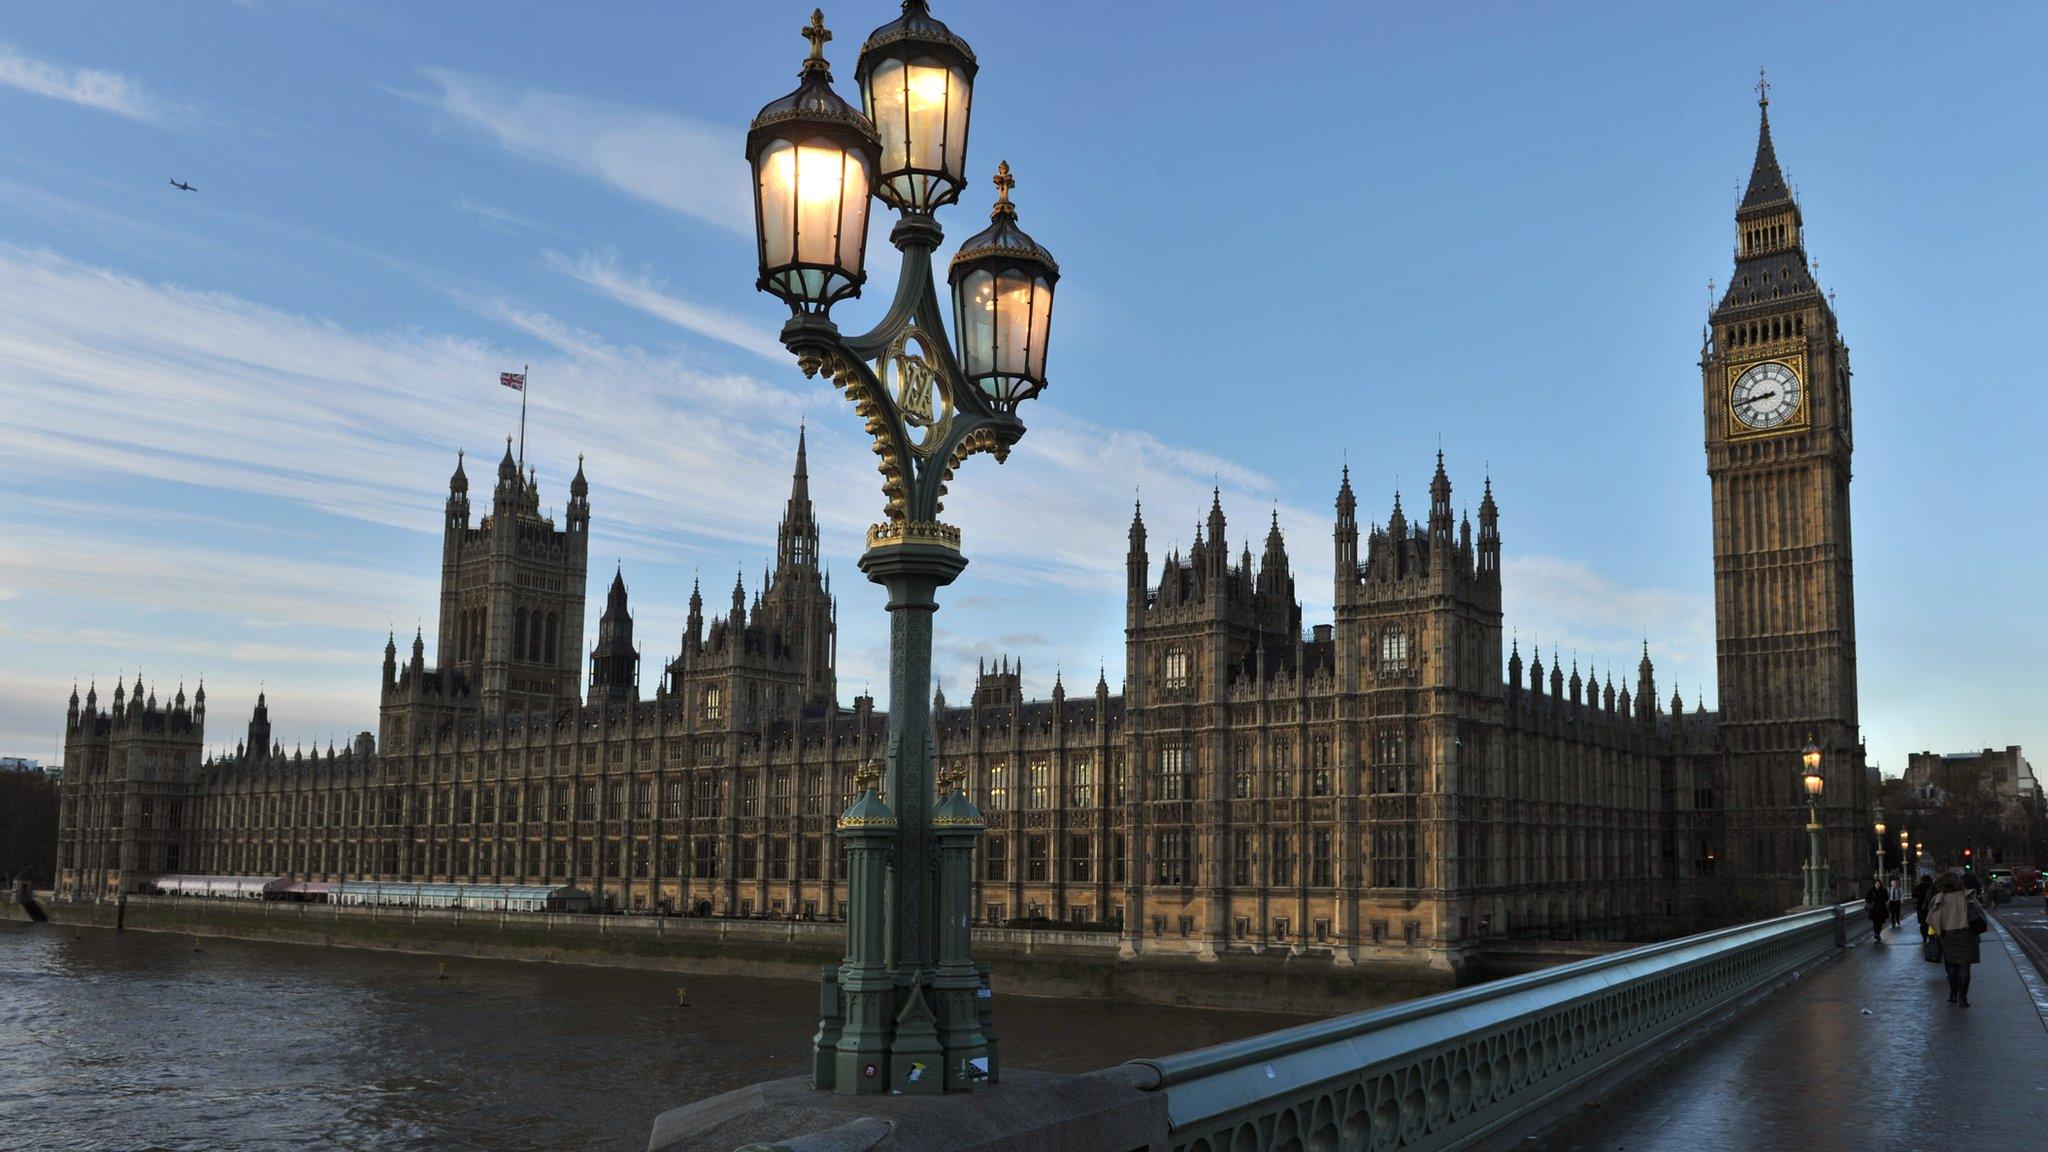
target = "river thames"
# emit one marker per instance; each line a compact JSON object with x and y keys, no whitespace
{"x":137,"y":1041}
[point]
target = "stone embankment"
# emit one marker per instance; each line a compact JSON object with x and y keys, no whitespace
{"x":1032,"y":962}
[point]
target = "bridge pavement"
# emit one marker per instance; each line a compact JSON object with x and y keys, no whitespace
{"x":1864,"y":1053}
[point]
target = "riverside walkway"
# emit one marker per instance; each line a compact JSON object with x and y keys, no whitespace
{"x":1797,"y":1031}
{"x":1865,"y":1052}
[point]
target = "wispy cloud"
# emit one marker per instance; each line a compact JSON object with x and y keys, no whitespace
{"x":494,"y":217}
{"x":86,"y":87}
{"x":641,"y":290}
{"x":1574,"y":610}
{"x":109,"y":379}
{"x":681,"y":164}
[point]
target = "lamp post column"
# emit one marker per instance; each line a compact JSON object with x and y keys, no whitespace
{"x":1814,"y":885}
{"x":912,"y":571}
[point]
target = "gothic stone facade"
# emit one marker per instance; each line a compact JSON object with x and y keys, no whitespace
{"x":1370,"y":789}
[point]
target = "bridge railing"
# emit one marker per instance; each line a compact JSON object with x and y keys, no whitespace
{"x":1447,"y":1070}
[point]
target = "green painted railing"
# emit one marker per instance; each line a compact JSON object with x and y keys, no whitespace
{"x":1447,"y":1070}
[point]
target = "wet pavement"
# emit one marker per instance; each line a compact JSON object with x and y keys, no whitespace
{"x":1865,"y":1053}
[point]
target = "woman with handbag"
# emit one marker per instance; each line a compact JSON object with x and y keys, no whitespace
{"x":1954,"y":917}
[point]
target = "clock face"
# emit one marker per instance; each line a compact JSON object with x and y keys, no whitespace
{"x":1765,"y":396}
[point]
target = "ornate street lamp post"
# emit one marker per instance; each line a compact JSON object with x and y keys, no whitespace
{"x":903,"y":1018}
{"x":1819,"y":884}
{"x":1905,"y":860}
{"x":1880,"y":847}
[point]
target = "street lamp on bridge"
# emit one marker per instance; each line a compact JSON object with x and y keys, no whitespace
{"x":1880,"y":846}
{"x":906,"y":1010}
{"x":1905,"y":856}
{"x":1819,"y":884}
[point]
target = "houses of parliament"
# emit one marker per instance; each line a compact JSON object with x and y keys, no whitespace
{"x":1373,"y":788}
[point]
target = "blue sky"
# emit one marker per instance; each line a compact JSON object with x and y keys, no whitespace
{"x":1289,"y":235}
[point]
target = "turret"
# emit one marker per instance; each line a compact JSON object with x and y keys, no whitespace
{"x":578,"y":515}
{"x":458,"y":497}
{"x":1347,"y":531}
{"x":615,"y":663}
{"x":693,"y":634}
{"x":1489,"y":537}
{"x":71,"y":717}
{"x":391,"y":658}
{"x":506,"y":497}
{"x":1440,"y":520}
{"x":259,"y":727}
{"x":1274,"y":577}
{"x":1646,"y":690}
{"x":1219,"y":548}
{"x":1137,"y":565}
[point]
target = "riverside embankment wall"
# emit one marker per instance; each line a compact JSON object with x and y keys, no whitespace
{"x":1034,"y":962}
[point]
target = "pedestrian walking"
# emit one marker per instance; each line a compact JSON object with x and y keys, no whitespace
{"x":1954,"y":915}
{"x":1876,"y":905}
{"x":1893,"y":901}
{"x":1922,"y":889}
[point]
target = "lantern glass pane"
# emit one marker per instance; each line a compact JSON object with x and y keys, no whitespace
{"x":920,"y":109}
{"x":1041,"y":327}
{"x":817,"y":175}
{"x":852,"y":238}
{"x":775,"y":200}
{"x":812,"y":202}
{"x":974,"y":312}
{"x":1013,"y":323}
{"x":962,"y":94}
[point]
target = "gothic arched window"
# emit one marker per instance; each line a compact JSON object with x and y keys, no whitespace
{"x":1393,"y":651}
{"x":553,"y":637}
{"x":519,"y":634}
{"x":1176,"y":668}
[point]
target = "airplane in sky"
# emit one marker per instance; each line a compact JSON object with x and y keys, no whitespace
{"x":182,"y":186}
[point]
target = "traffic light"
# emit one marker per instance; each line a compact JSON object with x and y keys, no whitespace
{"x":1968,"y":853}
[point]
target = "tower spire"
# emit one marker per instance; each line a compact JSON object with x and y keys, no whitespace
{"x":796,"y":541}
{"x":1766,"y":179}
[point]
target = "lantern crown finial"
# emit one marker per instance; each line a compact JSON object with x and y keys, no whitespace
{"x":818,"y":35}
{"x":1003,"y":210}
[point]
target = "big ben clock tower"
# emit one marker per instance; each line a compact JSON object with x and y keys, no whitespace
{"x":1775,"y":377}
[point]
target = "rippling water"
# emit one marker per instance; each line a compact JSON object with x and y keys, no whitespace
{"x":138,"y":1041}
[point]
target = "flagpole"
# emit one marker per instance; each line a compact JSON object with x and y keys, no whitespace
{"x":524,"y":369}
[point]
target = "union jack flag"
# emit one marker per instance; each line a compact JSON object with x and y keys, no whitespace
{"x":516,"y":381}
